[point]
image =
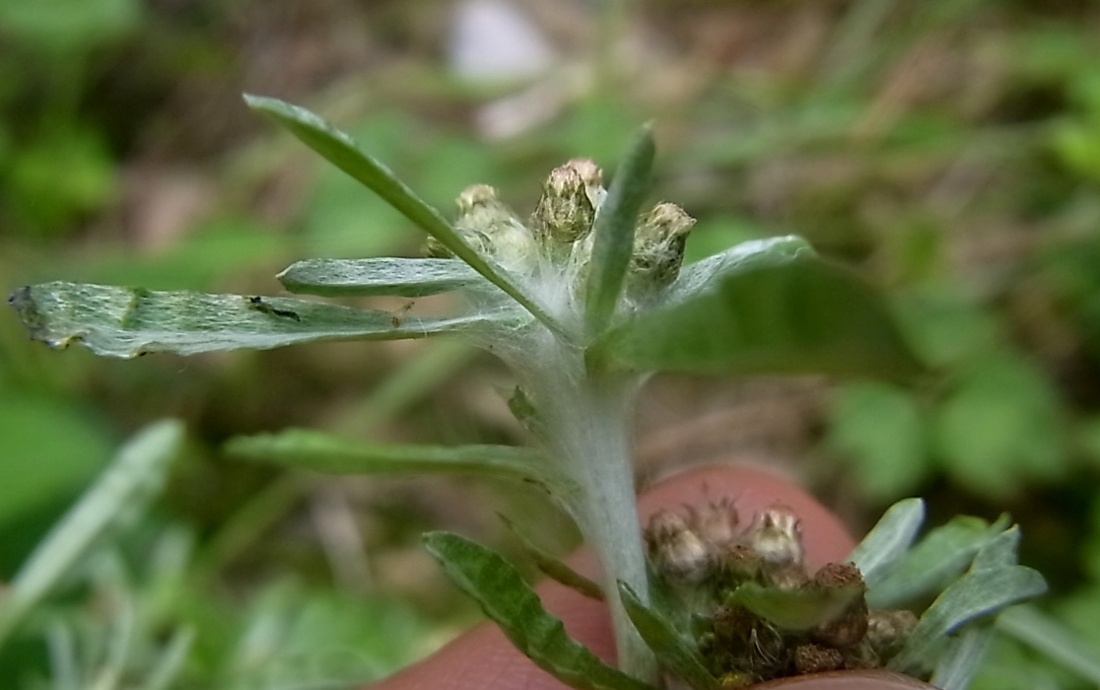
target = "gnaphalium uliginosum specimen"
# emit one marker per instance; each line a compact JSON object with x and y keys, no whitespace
{"x":583,"y":301}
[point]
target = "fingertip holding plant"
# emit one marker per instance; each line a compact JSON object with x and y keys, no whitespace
{"x":583,"y":302}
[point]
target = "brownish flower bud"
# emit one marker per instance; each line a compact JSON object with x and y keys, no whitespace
{"x":659,"y":245}
{"x":851,"y":625}
{"x":565,"y":211}
{"x":489,"y":227}
{"x":715,"y":523}
{"x":675,"y":550}
{"x":887,"y":631}
{"x":739,"y":563}
{"x":776,"y":537}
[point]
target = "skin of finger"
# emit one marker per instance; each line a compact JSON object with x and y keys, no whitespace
{"x":484,"y":659}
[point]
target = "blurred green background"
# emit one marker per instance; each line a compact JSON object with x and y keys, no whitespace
{"x":950,"y":150}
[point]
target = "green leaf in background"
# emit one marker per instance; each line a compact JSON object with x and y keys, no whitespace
{"x":1053,"y":638}
{"x":877,"y":428}
{"x":795,"y":609}
{"x":135,"y":475}
{"x":340,"y":150}
{"x":888,"y":540}
{"x":938,"y":558}
{"x":383,"y":276}
{"x":48,"y":447}
{"x":514,"y":606}
{"x":800,"y":316}
{"x":62,"y":25}
{"x":553,"y":567}
{"x":323,"y":452}
{"x":1000,"y":426}
{"x":613,"y":231}
{"x":126,"y":322}
{"x":964,"y":658}
{"x":672,"y":649}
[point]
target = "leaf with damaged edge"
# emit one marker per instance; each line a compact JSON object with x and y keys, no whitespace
{"x":795,"y":609}
{"x":127,"y":322}
{"x":344,"y":153}
{"x":613,"y":231}
{"x":672,"y":649}
{"x":514,"y":606}
{"x":553,"y":567}
{"x":802,"y":315}
{"x":888,"y":540}
{"x":383,"y":276}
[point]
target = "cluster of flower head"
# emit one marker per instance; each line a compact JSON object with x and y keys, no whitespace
{"x":557,"y":239}
{"x":703,"y":560}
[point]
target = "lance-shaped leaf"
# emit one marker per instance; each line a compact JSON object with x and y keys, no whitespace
{"x":939,"y":557}
{"x":344,"y":153}
{"x":976,"y":594}
{"x":136,"y":474}
{"x":672,"y":649}
{"x":800,"y":316}
{"x":613,"y":231}
{"x":771,"y":251}
{"x":888,"y":541}
{"x":553,"y":567}
{"x":965,"y":655}
{"x":513,"y":605}
{"x":126,"y":322}
{"x":796,"y":609}
{"x":324,"y":452}
{"x":383,"y":276}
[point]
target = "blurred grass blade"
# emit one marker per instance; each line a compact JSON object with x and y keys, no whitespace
{"x":673,"y":650}
{"x":613,"y":231}
{"x":1052,"y":638}
{"x":795,"y":609}
{"x":383,"y":276}
{"x":888,"y":540}
{"x":127,"y":322}
{"x":323,"y":452}
{"x":800,"y":316}
{"x":553,"y":567}
{"x":965,"y":656}
{"x":976,"y":594}
{"x":172,"y":660}
{"x":513,"y":605}
{"x":934,"y":561}
{"x":344,"y":153}
{"x":136,"y":474}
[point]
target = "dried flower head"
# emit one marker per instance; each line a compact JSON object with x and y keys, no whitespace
{"x":675,"y":550}
{"x":776,"y":537}
{"x":715,"y":523}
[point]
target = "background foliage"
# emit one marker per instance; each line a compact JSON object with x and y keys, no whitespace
{"x":948,"y":150}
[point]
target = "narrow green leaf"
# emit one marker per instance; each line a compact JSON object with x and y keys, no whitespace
{"x":800,"y":316}
{"x":382,"y":276}
{"x":514,"y":606}
{"x":344,"y":153}
{"x":673,"y":651}
{"x":553,"y":567}
{"x":137,"y":473}
{"x":323,"y":452}
{"x":127,"y":322}
{"x":772,"y":251}
{"x":795,"y":609}
{"x":937,"y":559}
{"x":963,"y":659}
{"x":888,"y":540}
{"x":1052,"y":638}
{"x":613,"y":231}
{"x":976,"y":594}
